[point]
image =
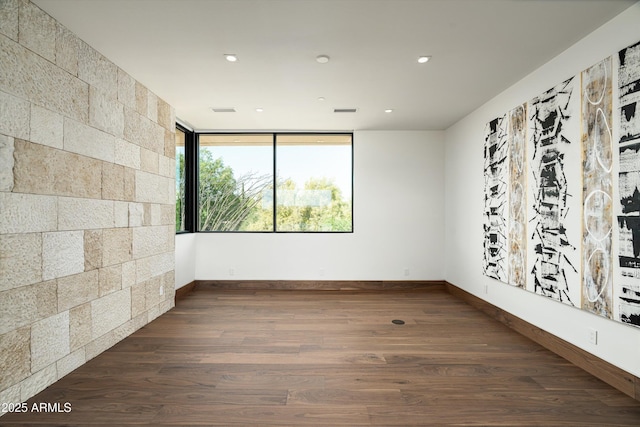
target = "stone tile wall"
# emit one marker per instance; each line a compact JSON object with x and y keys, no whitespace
{"x":87,"y":202}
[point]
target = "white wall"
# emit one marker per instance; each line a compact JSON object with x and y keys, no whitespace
{"x":618,"y":344}
{"x":185,"y":259}
{"x":398,"y":218}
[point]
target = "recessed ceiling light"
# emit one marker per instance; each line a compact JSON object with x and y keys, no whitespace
{"x":423,"y":59}
{"x":388,"y":110}
{"x":321,"y":98}
{"x":231,"y":57}
{"x":323,"y":59}
{"x":259,"y":110}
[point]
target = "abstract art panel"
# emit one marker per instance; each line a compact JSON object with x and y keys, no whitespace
{"x":495,"y":199}
{"x":628,"y":284}
{"x":517,"y":238}
{"x":597,"y":188}
{"x":553,"y":152}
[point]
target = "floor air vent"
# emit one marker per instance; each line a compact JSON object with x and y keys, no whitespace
{"x":344,"y":110}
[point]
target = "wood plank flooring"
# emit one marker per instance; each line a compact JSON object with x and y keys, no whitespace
{"x":323,"y":358}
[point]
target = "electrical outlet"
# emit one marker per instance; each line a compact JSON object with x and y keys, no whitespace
{"x":231,"y":272}
{"x":321,"y":272}
{"x":593,"y":336}
{"x":486,"y":289}
{"x":407,"y":272}
{"x":161,"y":289}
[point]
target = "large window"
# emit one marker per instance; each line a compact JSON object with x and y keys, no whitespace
{"x":275,"y":182}
{"x":236,"y":182}
{"x":314,"y":182}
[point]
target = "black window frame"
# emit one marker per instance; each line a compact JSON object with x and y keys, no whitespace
{"x":194,"y":204}
{"x":191,"y":180}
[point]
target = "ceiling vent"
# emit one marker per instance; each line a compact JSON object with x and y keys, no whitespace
{"x":224,"y":110}
{"x":345,"y":110}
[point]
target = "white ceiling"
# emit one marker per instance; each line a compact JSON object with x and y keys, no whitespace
{"x":478,"y":49}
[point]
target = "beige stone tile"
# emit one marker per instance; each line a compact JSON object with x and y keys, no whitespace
{"x":129,"y":184}
{"x":109,"y":312}
{"x":152,"y":188}
{"x":139,"y":130}
{"x":142,"y":102}
{"x":80,"y":326}
{"x":27,"y":213}
{"x":67,"y":45}
{"x":84,"y":214}
{"x":46,"y":127}
{"x":38,"y":382}
{"x":27,"y":304}
{"x":49,"y":340}
{"x":149,"y":160}
{"x":126,"y":90}
{"x":97,"y":70}
{"x":44,"y":170}
{"x":62,"y":254}
{"x":138,"y":299}
{"x":35,"y":168}
{"x":169,"y":284}
{"x":20,"y":260}
{"x":77,"y":289}
{"x":37,"y":31}
{"x":167,"y":167}
{"x":153,"y":313}
{"x":31,"y":77}
{"x":136,"y":128}
{"x":121,"y":214}
{"x":170,"y":144}
{"x":6,"y":163}
{"x":153,"y":296}
{"x":105,"y":113}
{"x":128,"y":274}
{"x":117,"y":246}
{"x":172,"y":119}
{"x":15,"y":114}
{"x":111,"y":338}
{"x":112,"y":181}
{"x":71,"y":362}
{"x":83,"y":139}
{"x":136,"y":214}
{"x":168,"y":215}
{"x":9,"y":27}
{"x":164,"y":114}
{"x":110,"y":279}
{"x":149,"y":241}
{"x":127,"y":154}
{"x":156,"y":138}
{"x":165,"y":306}
{"x":152,"y":107}
{"x":12,"y":394}
{"x":152,"y":214}
{"x":92,"y":249}
{"x":155,"y":265}
{"x":15,"y":356}
{"x":146,"y":221}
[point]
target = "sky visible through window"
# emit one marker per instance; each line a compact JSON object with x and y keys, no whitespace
{"x":299,"y":163}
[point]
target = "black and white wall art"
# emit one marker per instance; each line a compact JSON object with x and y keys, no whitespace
{"x":517,"y":238}
{"x":495,"y":200}
{"x":562,"y":191}
{"x":553,"y":159}
{"x":627,"y":283}
{"x":597,"y":188}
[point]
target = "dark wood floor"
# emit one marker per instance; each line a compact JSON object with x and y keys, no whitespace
{"x":296,"y":358}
